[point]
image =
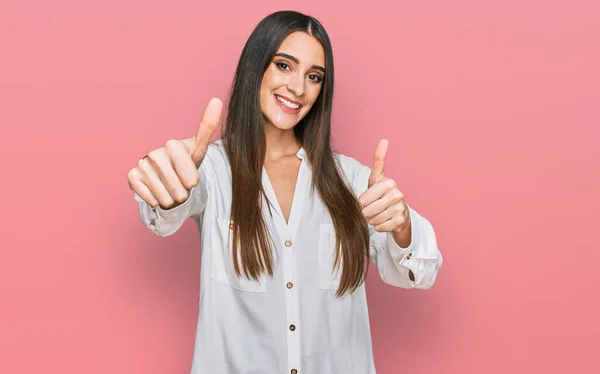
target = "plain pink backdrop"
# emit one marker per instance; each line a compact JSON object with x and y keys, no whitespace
{"x":492,"y":112}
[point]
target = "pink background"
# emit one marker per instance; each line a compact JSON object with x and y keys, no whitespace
{"x":492,"y":111}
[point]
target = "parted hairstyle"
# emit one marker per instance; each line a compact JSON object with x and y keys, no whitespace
{"x":244,"y":140}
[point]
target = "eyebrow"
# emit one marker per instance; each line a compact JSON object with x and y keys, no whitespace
{"x":295,"y":59}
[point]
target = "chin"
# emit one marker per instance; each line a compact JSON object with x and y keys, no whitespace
{"x":282,"y":122}
{"x":283,"y":125}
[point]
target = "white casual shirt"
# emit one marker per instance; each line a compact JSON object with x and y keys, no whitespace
{"x":291,"y":322}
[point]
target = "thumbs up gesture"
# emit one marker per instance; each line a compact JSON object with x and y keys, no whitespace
{"x":166,"y":175}
{"x":383,"y":204}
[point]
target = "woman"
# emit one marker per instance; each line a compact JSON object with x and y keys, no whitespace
{"x":290,"y":298}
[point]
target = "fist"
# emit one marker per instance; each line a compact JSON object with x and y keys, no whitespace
{"x":166,"y":175}
{"x":383,"y":204}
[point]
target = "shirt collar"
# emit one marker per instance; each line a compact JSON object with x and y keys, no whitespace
{"x":301,"y":154}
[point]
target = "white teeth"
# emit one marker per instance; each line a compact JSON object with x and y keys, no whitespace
{"x":287,"y":103}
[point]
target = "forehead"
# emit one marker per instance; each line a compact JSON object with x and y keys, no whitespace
{"x":304,"y":47}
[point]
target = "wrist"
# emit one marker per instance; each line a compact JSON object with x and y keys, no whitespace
{"x":403,"y":235}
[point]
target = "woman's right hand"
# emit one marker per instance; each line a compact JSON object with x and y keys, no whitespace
{"x":166,"y":175}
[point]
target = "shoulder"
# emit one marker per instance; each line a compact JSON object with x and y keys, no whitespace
{"x":216,"y":155}
{"x":215,"y":163}
{"x":354,"y":171}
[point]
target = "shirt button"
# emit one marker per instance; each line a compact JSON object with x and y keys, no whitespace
{"x":231,"y":226}
{"x":292,"y":327}
{"x":409,"y":256}
{"x":411,"y":275}
{"x":288,"y":243}
{"x":294,"y":371}
{"x":289,"y":285}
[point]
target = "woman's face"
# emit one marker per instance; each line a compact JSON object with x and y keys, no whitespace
{"x":293,"y":80}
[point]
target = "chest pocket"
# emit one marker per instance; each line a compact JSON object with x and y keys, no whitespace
{"x":329,"y":278}
{"x":221,"y":267}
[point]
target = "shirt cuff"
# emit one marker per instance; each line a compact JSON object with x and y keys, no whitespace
{"x":172,"y":214}
{"x":404,"y":256}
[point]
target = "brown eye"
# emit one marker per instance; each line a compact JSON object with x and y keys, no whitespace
{"x":315,"y":78}
{"x":282,"y":65}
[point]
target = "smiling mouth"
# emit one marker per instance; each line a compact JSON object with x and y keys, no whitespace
{"x":287,"y":104}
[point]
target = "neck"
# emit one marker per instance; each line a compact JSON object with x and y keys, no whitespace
{"x":280,"y":143}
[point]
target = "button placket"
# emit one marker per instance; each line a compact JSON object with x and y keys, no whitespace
{"x":289,"y":285}
{"x":293,"y":342}
{"x":288,"y":243}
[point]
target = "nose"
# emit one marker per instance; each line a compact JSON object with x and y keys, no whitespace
{"x":296,"y":84}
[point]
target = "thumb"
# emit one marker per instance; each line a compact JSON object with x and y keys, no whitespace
{"x":378,"y":162}
{"x":208,"y":125}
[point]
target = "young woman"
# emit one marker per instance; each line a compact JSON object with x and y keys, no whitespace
{"x":287,"y":225}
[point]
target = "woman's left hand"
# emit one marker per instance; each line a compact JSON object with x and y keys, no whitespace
{"x":383,"y":204}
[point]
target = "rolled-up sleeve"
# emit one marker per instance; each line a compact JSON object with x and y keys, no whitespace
{"x":417,"y":265}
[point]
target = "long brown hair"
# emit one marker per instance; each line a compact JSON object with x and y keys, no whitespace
{"x":244,"y":141}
